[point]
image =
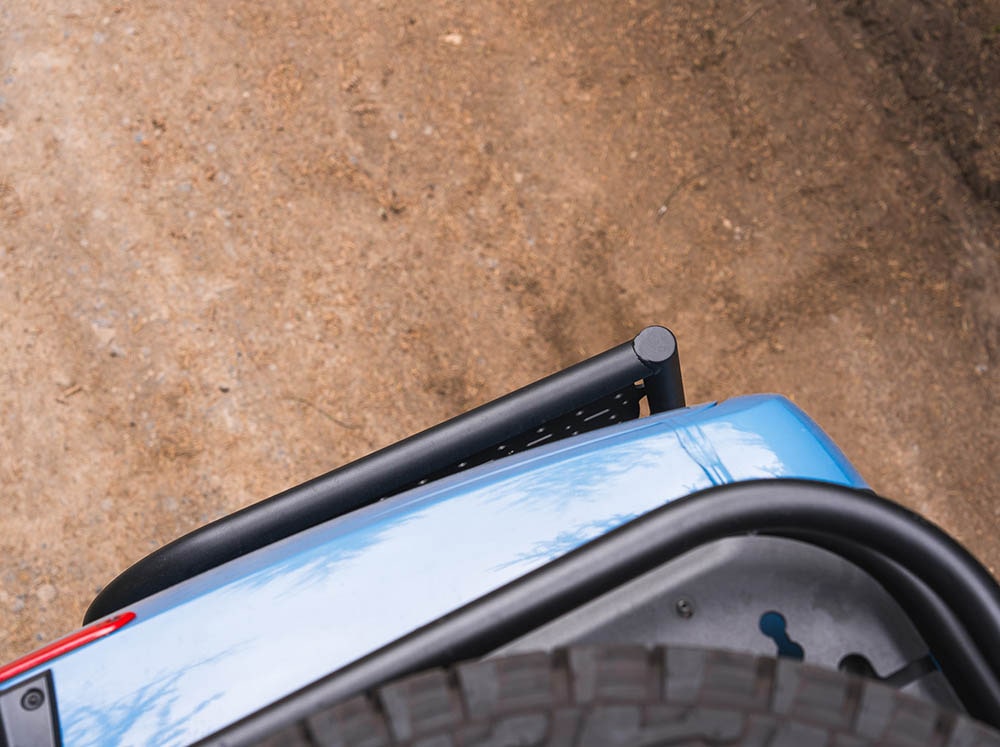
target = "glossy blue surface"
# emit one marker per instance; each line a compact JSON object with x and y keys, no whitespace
{"x":211,"y":650}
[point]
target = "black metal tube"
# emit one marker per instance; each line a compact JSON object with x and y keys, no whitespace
{"x":772,"y":506}
{"x":975,"y":684}
{"x":380,"y":474}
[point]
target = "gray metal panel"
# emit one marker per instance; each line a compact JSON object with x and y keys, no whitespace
{"x":715,"y":596}
{"x":27,"y":714}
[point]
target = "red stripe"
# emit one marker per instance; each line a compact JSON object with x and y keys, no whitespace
{"x":64,"y":645}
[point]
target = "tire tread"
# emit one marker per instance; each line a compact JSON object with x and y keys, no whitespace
{"x":605,"y":696}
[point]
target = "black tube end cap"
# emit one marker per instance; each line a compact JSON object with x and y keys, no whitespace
{"x":655,"y":345}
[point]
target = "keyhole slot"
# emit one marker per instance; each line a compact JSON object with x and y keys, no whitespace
{"x":773,"y":625}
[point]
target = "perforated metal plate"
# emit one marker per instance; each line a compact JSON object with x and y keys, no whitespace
{"x":621,"y":406}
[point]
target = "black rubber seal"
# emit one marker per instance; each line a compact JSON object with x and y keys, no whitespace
{"x":784,"y":507}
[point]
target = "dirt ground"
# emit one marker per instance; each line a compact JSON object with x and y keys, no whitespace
{"x":243,"y":243}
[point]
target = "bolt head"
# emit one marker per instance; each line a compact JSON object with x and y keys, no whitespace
{"x":33,"y":699}
{"x":684,"y":608}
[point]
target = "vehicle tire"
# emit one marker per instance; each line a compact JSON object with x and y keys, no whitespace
{"x":614,"y":696}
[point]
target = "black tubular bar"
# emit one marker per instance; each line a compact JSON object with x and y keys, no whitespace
{"x":975,"y":684}
{"x":783,"y":507}
{"x":651,"y":356}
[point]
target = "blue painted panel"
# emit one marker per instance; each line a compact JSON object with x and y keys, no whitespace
{"x":223,"y":644}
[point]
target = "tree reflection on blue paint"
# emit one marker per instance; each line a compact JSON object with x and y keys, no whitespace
{"x":153,"y":709}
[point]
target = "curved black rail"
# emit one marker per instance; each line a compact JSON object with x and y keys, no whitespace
{"x":796,"y":508}
{"x":651,"y":356}
{"x":970,"y":676}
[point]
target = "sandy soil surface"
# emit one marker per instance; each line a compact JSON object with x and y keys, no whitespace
{"x":243,"y":243}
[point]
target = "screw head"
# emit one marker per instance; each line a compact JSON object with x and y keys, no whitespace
{"x":684,"y":608}
{"x":33,"y":699}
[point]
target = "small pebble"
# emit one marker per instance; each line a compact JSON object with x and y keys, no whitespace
{"x":104,"y":334}
{"x":45,"y":593}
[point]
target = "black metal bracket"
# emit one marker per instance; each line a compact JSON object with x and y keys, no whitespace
{"x":547,"y":407}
